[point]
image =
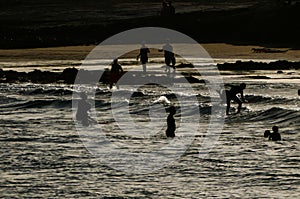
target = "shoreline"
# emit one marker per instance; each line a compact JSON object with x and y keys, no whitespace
{"x":215,"y":50}
{"x":69,"y":74}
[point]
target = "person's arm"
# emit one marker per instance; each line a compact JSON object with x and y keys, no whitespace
{"x":279,"y":137}
{"x":242,"y":96}
{"x":121,"y":69}
{"x":137,"y":58}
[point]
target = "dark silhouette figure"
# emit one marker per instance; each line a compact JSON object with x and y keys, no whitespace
{"x":164,"y":10}
{"x":169,"y":56}
{"x":298,"y":91}
{"x":232,"y":95}
{"x":82,"y":111}
{"x":171,"y":8}
{"x":275,"y":136}
{"x":267,"y":133}
{"x":170,"y":132}
{"x":167,"y":9}
{"x":144,"y":50}
{"x":115,"y":74}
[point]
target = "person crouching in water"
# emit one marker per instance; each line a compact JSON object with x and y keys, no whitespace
{"x":115,"y":73}
{"x":232,"y":95}
{"x":170,"y":132}
{"x":82,"y":111}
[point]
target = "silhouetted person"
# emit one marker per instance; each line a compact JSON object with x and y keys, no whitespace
{"x":144,"y":50}
{"x":82,"y":111}
{"x":170,"y":59}
{"x":298,"y":91}
{"x":267,"y":133}
{"x":232,"y":95}
{"x":275,"y":136}
{"x":167,"y":9}
{"x":115,"y":73}
{"x":170,"y":132}
{"x":171,"y":8}
{"x":164,"y":10}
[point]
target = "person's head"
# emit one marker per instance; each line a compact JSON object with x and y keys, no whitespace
{"x":267,"y":133}
{"x":143,"y":43}
{"x":242,"y":85}
{"x":116,"y":60}
{"x":167,"y":40}
{"x":275,"y":129}
{"x":172,"y":110}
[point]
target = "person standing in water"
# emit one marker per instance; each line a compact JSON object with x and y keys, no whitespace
{"x":275,"y":136}
{"x":143,"y":56}
{"x":115,"y":73}
{"x":170,"y":132}
{"x":82,"y":111}
{"x":169,"y":56}
{"x":232,"y":95}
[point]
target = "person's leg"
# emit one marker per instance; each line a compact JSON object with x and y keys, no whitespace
{"x":228,"y":99}
{"x":228,"y":107}
{"x":144,"y":68}
{"x":237,"y":100}
{"x":173,"y":62}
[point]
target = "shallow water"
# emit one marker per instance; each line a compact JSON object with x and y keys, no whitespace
{"x":43,"y":155}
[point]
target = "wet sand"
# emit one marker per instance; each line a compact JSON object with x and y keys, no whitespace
{"x":216,"y":51}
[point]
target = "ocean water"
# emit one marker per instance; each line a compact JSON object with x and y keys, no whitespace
{"x":43,"y":153}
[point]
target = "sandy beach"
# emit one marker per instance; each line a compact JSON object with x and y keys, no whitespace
{"x":216,"y":51}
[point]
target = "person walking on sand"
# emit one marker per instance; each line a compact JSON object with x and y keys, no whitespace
{"x":275,"y":136}
{"x":232,"y":95}
{"x":82,"y":111}
{"x":170,"y":132}
{"x":169,"y":56}
{"x":115,"y":73}
{"x":143,"y":56}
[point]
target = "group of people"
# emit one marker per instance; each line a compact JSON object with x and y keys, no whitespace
{"x":84,"y":107}
{"x":169,"y":56}
{"x":274,"y":136}
{"x":226,"y":95}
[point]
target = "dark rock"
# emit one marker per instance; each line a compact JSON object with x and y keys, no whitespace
{"x":68,"y":75}
{"x":185,"y":66}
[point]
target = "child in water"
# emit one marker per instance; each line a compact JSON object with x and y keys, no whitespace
{"x":275,"y":136}
{"x":170,"y":132}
